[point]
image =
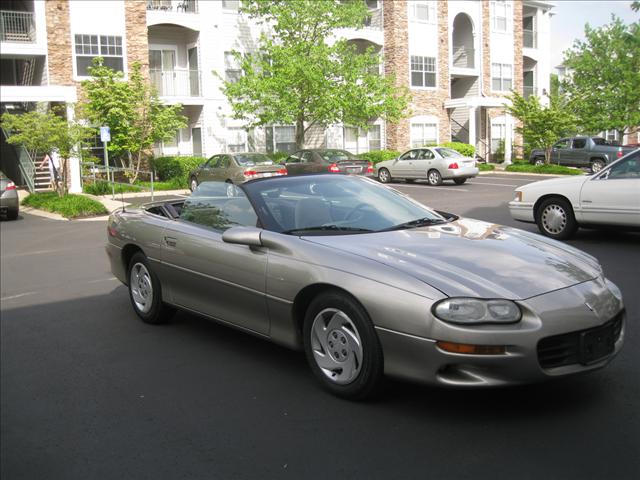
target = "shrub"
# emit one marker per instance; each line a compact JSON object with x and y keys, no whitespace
{"x":69,"y":206}
{"x":376,"y":156}
{"x":462,"y":148}
{"x":552,"y":169}
{"x":175,"y":169}
{"x":278,"y":157}
{"x":104,"y":188}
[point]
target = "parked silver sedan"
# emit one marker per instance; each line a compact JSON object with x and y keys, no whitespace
{"x":9,"y":201}
{"x":370,"y":282}
{"x":235,"y":168}
{"x":435,"y":164}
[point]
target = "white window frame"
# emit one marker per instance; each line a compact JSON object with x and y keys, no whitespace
{"x":497,"y":73}
{"x":371,"y":139}
{"x":233,"y":135}
{"x":423,"y":122}
{"x":99,"y":49}
{"x":504,"y":7}
{"x":435,"y":72}
{"x":275,"y":135}
{"x":426,"y":6}
{"x":231,"y":6}
{"x":231,"y":64}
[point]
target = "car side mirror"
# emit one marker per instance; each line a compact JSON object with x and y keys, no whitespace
{"x":249,"y":236}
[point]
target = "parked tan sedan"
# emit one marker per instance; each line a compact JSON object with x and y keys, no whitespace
{"x":235,"y":168}
{"x":435,"y":164}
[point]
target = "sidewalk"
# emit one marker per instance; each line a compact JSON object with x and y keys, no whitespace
{"x":112,"y":203}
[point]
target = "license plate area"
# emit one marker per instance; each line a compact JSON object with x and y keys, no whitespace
{"x":596,"y":344}
{"x":354,"y":169}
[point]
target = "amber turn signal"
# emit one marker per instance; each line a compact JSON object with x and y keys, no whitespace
{"x":471,"y":349}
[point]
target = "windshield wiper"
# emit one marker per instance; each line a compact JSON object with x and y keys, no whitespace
{"x":419,"y":222}
{"x":325,"y":228}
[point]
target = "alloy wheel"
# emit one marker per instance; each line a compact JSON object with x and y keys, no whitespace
{"x":141,"y":287}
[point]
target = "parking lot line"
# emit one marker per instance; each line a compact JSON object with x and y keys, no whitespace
{"x":495,"y":184}
{"x":428,"y":186}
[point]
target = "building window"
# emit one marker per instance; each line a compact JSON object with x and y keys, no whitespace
{"x":501,"y":14}
{"x":285,"y":139}
{"x":501,"y":77}
{"x":423,"y":134}
{"x":88,"y":47}
{"x":236,"y":140}
{"x":232,"y":71}
{"x":422,"y":11}
{"x":374,"y":138}
{"x":231,"y":5}
{"x":423,"y":71}
{"x":612,"y":136}
{"x":498,"y":135}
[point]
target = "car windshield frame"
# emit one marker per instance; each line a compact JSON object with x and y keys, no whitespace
{"x":375,"y":208}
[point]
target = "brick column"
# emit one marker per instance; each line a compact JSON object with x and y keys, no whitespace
{"x":136,"y":31}
{"x":59,"y":44}
{"x":486,"y":48}
{"x":518,"y":67}
{"x":396,"y":61}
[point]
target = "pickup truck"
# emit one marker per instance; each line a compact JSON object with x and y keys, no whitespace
{"x":592,"y":152}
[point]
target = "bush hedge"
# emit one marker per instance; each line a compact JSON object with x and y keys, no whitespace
{"x":551,"y":169}
{"x":462,"y":148}
{"x":69,"y":206}
{"x":176,"y":169}
{"x":376,"y":156}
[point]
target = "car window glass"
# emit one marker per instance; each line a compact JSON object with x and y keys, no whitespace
{"x":428,"y":155}
{"x":295,"y":158}
{"x":564,"y":143}
{"x":251,"y":159}
{"x":336,"y":155}
{"x":449,"y":153}
{"x":212,"y":161}
{"x":211,"y":206}
{"x":410,"y":155}
{"x":579,"y":142}
{"x":600,"y":141}
{"x":307,"y":157}
{"x":223,"y":162}
{"x":626,"y":168}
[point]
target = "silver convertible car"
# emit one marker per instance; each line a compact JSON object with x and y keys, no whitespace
{"x":369,"y":282}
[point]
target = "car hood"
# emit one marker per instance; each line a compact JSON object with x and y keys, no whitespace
{"x":474,"y":258}
{"x":556,"y":182}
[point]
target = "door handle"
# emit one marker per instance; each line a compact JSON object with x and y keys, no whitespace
{"x":170,"y":241}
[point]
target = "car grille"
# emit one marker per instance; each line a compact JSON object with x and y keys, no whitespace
{"x":565,"y":349}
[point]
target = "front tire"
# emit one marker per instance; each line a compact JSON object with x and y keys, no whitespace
{"x":342,"y":347}
{"x":459,"y":181}
{"x":434,"y":178}
{"x":193,"y":184}
{"x":538,"y":161}
{"x":145,"y":292}
{"x":384,"y":176}
{"x":555,"y":219}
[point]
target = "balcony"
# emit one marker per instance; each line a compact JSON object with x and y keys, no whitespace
{"x":529,"y":90}
{"x":529,"y":38}
{"x":179,"y":6}
{"x":463,"y":56}
{"x":176,"y":83}
{"x":17,"y":27}
{"x":374,"y":19}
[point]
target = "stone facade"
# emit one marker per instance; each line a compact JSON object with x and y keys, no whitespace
{"x":136,"y":32}
{"x":60,"y":57}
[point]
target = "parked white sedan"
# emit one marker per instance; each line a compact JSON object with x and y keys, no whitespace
{"x":434,"y":164}
{"x":560,"y":205}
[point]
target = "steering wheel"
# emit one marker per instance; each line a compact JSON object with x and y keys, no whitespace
{"x":355,"y":209}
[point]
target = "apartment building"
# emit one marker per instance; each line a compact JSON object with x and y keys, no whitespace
{"x":458,"y":59}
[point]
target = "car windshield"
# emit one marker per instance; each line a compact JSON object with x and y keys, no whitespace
{"x":336,"y":155}
{"x":448,"y":153}
{"x":334,"y":205}
{"x":250,"y":159}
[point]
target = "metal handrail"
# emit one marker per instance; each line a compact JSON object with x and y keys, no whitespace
{"x":529,"y":38}
{"x":186,"y":6}
{"x":176,"y":83}
{"x":98,"y":172}
{"x":374,"y":19}
{"x":17,"y":27}
{"x":478,"y":140}
{"x":528,"y":90}
{"x":25,"y":163}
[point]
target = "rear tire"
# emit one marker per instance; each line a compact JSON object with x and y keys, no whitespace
{"x":555,"y":218}
{"x":384,"y":176}
{"x":538,"y":161}
{"x":193,"y":184}
{"x":597,"y":165}
{"x":145,"y":292}
{"x":342,"y":347}
{"x":459,"y":181}
{"x":434,"y":178}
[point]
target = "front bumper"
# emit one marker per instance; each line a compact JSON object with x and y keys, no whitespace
{"x":548,"y":315}
{"x":521,"y":211}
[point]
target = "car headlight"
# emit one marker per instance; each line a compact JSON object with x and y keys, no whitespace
{"x":518,"y":196}
{"x":473,"y":311}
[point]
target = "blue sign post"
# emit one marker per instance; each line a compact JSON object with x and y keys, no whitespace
{"x":105,"y":137}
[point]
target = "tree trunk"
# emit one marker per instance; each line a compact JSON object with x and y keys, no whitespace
{"x":300,"y":133}
{"x":547,"y":155}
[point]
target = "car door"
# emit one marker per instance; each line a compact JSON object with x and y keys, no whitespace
{"x":293,"y":163}
{"x":309,"y":163}
{"x":576,"y":155}
{"x":205,"y":172}
{"x":403,"y":167}
{"x":613,"y":196}
{"x":208,"y":276}
{"x":221,"y":171}
{"x":422,"y":164}
{"x":559,"y":149}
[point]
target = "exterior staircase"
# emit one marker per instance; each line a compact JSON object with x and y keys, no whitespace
{"x":42,"y":178}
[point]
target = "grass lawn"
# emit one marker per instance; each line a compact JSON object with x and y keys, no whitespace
{"x":485,"y":167}
{"x":69,"y":206}
{"x":549,"y":168}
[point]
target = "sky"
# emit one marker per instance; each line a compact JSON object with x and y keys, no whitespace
{"x":570,"y":17}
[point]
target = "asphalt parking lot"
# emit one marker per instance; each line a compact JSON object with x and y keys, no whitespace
{"x":89,"y":391}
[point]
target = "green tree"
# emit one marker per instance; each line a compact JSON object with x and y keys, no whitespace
{"x":604,"y":83}
{"x":305,"y":76}
{"x":541,"y":125}
{"x":42,"y":132}
{"x":131,"y":109}
{"x":635,"y":6}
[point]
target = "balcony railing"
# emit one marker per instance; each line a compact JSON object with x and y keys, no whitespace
{"x":463,"y":56}
{"x":374,"y":19}
{"x":529,"y":39}
{"x":176,"y":83}
{"x":185,"y":6}
{"x":529,"y":90}
{"x":19,"y":27}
